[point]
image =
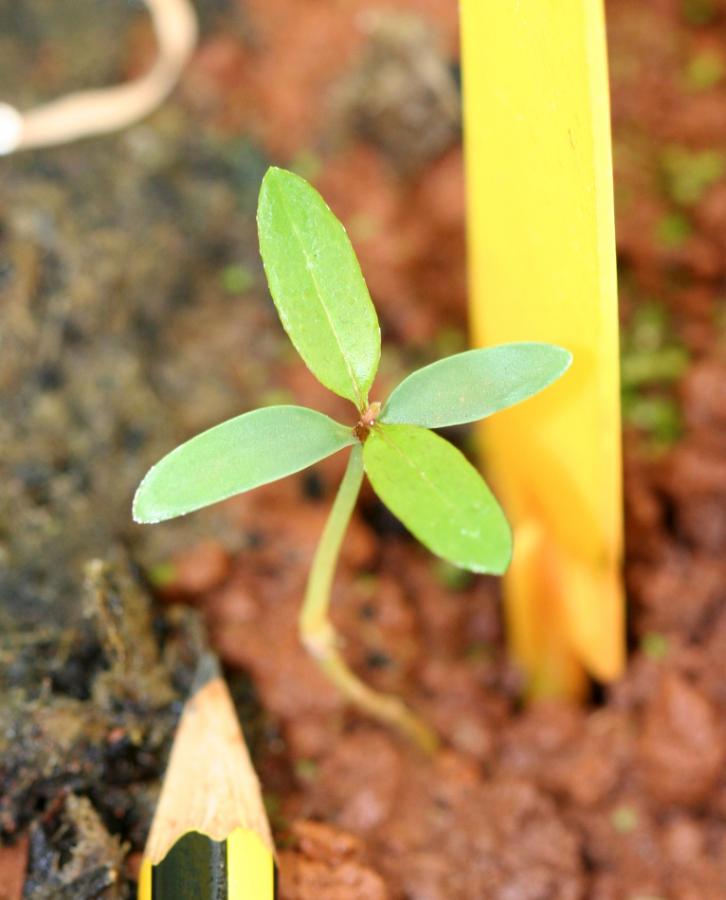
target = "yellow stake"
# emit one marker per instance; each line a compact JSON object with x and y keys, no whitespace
{"x":542,"y":267}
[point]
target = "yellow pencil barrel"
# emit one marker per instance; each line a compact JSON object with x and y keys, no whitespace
{"x":542,"y":267}
{"x":250,"y":867}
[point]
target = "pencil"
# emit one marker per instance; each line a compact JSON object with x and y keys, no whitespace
{"x":209,"y":839}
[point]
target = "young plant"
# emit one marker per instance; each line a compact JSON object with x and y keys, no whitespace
{"x":325,"y":308}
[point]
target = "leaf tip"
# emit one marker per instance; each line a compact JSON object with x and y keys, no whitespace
{"x":275,"y":175}
{"x":142,"y":512}
{"x":269,"y":180}
{"x":137,"y":513}
{"x":567,"y":357}
{"x":272,"y":173}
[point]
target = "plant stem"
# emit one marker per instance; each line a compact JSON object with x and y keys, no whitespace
{"x":316,"y":630}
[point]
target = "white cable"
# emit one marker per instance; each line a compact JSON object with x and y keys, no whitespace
{"x":92,"y":112}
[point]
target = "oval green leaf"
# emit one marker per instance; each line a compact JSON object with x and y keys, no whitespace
{"x":317,"y":285}
{"x":439,"y":496}
{"x":474,"y":384}
{"x":240,"y":454}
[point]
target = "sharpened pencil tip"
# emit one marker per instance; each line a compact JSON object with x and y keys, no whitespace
{"x":208,"y":669}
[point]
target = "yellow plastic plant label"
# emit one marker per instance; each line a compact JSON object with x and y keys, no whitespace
{"x":542,"y":268}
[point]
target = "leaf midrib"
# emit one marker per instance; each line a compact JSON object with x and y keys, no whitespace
{"x":424,"y":477}
{"x":310,"y":269}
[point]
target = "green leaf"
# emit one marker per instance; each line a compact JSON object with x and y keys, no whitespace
{"x":317,"y":286}
{"x":240,"y":454}
{"x":439,"y":496}
{"x":475,"y":384}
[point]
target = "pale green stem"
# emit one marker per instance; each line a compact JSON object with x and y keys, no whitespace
{"x":317,"y":632}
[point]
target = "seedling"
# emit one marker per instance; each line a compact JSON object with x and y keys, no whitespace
{"x":324,"y":305}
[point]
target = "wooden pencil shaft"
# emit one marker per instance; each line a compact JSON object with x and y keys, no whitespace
{"x":210,"y":784}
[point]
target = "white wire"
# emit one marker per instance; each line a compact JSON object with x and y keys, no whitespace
{"x":92,"y":112}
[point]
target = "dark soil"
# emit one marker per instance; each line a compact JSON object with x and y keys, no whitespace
{"x":134,"y":314}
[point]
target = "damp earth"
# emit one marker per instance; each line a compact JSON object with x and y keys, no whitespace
{"x":134,"y":314}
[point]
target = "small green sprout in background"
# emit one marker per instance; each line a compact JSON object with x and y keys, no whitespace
{"x":306,"y":769}
{"x":624,"y":819}
{"x":673,"y":230}
{"x":237,"y":279}
{"x":698,"y":12}
{"x":451,"y":577}
{"x":651,"y":354}
{"x":657,"y":418}
{"x":652,"y":360}
{"x":689,"y":173}
{"x":705,"y":70}
{"x":162,"y":575}
{"x":324,"y":305}
{"x":654,"y":645}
